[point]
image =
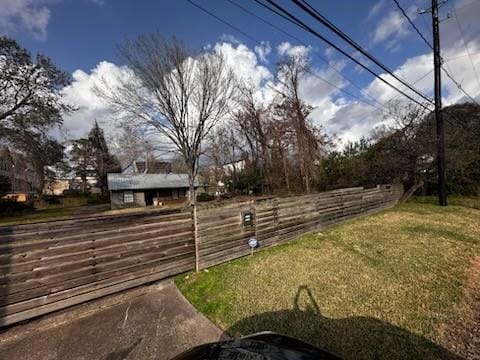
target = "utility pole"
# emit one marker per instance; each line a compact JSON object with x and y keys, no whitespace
{"x":437,"y":61}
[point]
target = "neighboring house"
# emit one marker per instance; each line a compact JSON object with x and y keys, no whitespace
{"x":56,"y":187}
{"x":217,"y":177}
{"x":136,"y":190}
{"x":233,"y":167}
{"x":14,"y":167}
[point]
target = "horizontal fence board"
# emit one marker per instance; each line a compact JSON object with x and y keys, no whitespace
{"x":58,"y":295}
{"x":13,"y":233}
{"x":54,"y":253}
{"x":31,"y":293}
{"x":282,"y":219}
{"x":73,"y":300}
{"x":49,"y":266}
{"x":96,"y":262}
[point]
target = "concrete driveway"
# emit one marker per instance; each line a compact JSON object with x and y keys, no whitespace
{"x":150,"y":322}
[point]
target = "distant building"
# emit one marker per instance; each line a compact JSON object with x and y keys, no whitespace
{"x":217,"y":177}
{"x":14,"y":167}
{"x":136,"y":190}
{"x":56,"y":187}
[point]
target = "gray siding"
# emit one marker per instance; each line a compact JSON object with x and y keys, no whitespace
{"x":139,"y":198}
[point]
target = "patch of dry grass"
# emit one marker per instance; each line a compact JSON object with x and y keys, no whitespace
{"x":40,"y":215}
{"x":378,"y":287}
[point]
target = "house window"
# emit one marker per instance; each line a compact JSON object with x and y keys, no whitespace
{"x":128,"y":197}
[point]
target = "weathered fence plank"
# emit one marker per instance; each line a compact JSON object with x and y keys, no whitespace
{"x":49,"y":266}
{"x":223,"y":237}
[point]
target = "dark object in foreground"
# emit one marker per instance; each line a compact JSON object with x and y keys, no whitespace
{"x":265,"y":345}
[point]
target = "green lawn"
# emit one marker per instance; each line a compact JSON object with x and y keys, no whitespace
{"x":378,"y":287}
{"x":39,"y":215}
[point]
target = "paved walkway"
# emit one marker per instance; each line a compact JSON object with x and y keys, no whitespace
{"x":151,"y":322}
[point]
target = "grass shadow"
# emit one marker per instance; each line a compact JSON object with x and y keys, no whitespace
{"x":356,"y":337}
{"x":440,"y":232}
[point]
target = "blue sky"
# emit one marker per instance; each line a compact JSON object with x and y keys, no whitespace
{"x":81,"y":33}
{"x":81,"y":36}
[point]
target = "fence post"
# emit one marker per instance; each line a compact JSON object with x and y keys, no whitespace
{"x":195,"y":236}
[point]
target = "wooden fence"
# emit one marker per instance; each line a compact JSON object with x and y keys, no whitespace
{"x":222,"y":236}
{"x":49,"y":266}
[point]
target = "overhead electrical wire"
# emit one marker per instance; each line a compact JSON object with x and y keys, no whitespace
{"x":293,"y":19}
{"x":333,"y":85}
{"x":359,"y":88}
{"x":260,"y":43}
{"x":306,"y":7}
{"x":465,"y":43}
{"x":447,"y":72}
{"x":413,"y":24}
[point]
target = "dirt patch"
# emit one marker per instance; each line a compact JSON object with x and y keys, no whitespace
{"x":462,"y":336}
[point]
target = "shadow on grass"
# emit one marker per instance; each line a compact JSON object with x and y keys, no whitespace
{"x":349,"y":338}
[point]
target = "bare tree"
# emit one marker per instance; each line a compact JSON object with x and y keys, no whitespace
{"x":179,"y":93}
{"x":291,"y":106}
{"x":253,"y":122}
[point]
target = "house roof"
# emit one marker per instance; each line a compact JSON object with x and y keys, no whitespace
{"x":147,"y":181}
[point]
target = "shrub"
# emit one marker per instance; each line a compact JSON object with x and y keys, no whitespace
{"x":205,"y":197}
{"x":51,"y":199}
{"x":98,"y":199}
{"x":9,"y":208}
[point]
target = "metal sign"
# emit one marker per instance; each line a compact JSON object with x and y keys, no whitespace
{"x":247,"y":218}
{"x":253,"y":243}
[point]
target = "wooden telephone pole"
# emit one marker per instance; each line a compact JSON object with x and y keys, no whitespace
{"x":440,"y":127}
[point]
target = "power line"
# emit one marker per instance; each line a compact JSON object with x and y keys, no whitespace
{"x":413,"y":24}
{"x":447,"y":72}
{"x":306,"y":45}
{"x":298,"y":22}
{"x":260,"y":43}
{"x":465,"y":43}
{"x":333,"y":85}
{"x":458,"y":85}
{"x":461,"y":56}
{"x":305,"y":6}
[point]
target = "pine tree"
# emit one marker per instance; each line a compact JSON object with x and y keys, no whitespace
{"x":82,"y":164}
{"x":104,"y":162}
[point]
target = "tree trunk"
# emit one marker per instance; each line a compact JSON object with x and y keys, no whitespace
{"x":191,"y":186}
{"x":285,"y":170}
{"x":84,"y":186}
{"x":417,"y":185}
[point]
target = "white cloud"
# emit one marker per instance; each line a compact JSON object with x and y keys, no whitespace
{"x":391,"y":27}
{"x":244,"y":62}
{"x":263,"y":51}
{"x":285,"y":48}
{"x":375,"y":10}
{"x":229,"y":38}
{"x":338,"y":114}
{"x":81,"y":94}
{"x":30,"y":15}
{"x":417,"y":67}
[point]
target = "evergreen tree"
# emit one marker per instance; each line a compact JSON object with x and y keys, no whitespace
{"x":82,"y":163}
{"x":103,"y":161}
